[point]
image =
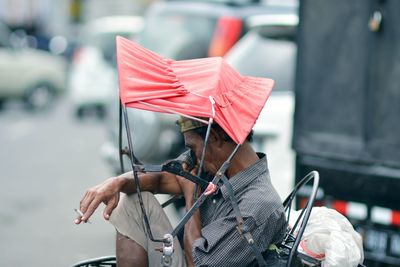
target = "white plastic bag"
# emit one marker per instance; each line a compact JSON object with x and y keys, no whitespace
{"x":330,"y":237}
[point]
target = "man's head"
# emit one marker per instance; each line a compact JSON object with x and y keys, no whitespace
{"x":219,"y":145}
{"x":186,"y":124}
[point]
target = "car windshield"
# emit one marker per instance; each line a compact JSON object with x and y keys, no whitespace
{"x":177,"y":36}
{"x":263,"y":54}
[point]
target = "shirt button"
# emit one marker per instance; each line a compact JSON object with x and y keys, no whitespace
{"x":214,"y":201}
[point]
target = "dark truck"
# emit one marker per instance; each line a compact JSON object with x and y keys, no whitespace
{"x":347,"y":115}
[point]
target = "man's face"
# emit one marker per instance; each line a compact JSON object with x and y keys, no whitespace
{"x":195,"y":142}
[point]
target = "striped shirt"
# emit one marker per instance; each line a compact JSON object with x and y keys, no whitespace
{"x":220,"y":243}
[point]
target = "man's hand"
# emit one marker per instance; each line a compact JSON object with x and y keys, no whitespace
{"x":107,"y":192}
{"x":187,"y":186}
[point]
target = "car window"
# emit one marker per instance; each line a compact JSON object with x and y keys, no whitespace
{"x":178,"y":36}
{"x":277,"y":32}
{"x":267,"y":53}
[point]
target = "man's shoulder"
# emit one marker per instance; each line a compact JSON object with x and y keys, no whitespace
{"x":261,"y":194}
{"x":260,"y":201}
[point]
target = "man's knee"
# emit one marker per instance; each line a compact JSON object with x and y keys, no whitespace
{"x":127,"y":217}
{"x":150,"y":201}
{"x":148,"y":198}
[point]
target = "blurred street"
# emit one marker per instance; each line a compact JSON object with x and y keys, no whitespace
{"x":48,"y":159}
{"x":333,"y":109}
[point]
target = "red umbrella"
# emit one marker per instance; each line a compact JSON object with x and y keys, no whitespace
{"x":205,"y":87}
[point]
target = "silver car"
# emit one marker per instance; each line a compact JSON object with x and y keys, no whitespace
{"x":31,"y":75}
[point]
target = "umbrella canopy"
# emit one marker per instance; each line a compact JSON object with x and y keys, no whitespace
{"x":191,"y":87}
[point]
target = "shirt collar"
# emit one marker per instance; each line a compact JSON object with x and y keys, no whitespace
{"x":246,"y":176}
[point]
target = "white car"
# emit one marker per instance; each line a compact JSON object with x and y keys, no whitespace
{"x":31,"y":75}
{"x":93,"y":76}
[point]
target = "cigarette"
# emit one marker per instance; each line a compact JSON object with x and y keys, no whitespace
{"x":80,"y":213}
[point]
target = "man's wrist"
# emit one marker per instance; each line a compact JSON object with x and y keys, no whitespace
{"x":189,"y":201}
{"x":122,"y":183}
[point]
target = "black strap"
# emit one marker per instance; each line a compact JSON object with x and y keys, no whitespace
{"x":240,"y":222}
{"x":174,"y":167}
{"x":171,"y":200}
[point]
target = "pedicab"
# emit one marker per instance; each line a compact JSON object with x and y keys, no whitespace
{"x":196,"y":89}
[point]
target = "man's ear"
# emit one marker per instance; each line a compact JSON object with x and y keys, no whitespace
{"x":217,"y":136}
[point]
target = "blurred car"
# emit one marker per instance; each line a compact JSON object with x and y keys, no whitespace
{"x":196,"y":29}
{"x":33,"y":76}
{"x":269,"y":50}
{"x":185,"y":30}
{"x":93,"y":75}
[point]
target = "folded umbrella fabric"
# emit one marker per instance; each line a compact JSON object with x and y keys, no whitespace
{"x":205,"y":87}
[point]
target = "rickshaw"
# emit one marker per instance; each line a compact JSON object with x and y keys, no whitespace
{"x":216,"y":104}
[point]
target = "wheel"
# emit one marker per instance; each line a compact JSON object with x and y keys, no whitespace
{"x":39,"y":96}
{"x":100,"y":261}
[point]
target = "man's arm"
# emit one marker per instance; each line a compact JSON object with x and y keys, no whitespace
{"x":108,"y":191}
{"x":157,"y":183}
{"x":192,"y":232}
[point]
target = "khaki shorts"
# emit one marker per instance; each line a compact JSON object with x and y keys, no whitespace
{"x":128,"y":220}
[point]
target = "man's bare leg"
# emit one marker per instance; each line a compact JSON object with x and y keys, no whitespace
{"x":130,"y":253}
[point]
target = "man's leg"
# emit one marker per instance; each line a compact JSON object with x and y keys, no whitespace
{"x":129,"y":253}
{"x":133,"y":245}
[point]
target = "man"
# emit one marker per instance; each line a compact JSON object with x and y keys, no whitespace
{"x":211,"y":237}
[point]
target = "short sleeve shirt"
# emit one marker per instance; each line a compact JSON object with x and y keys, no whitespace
{"x":262,"y":210}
